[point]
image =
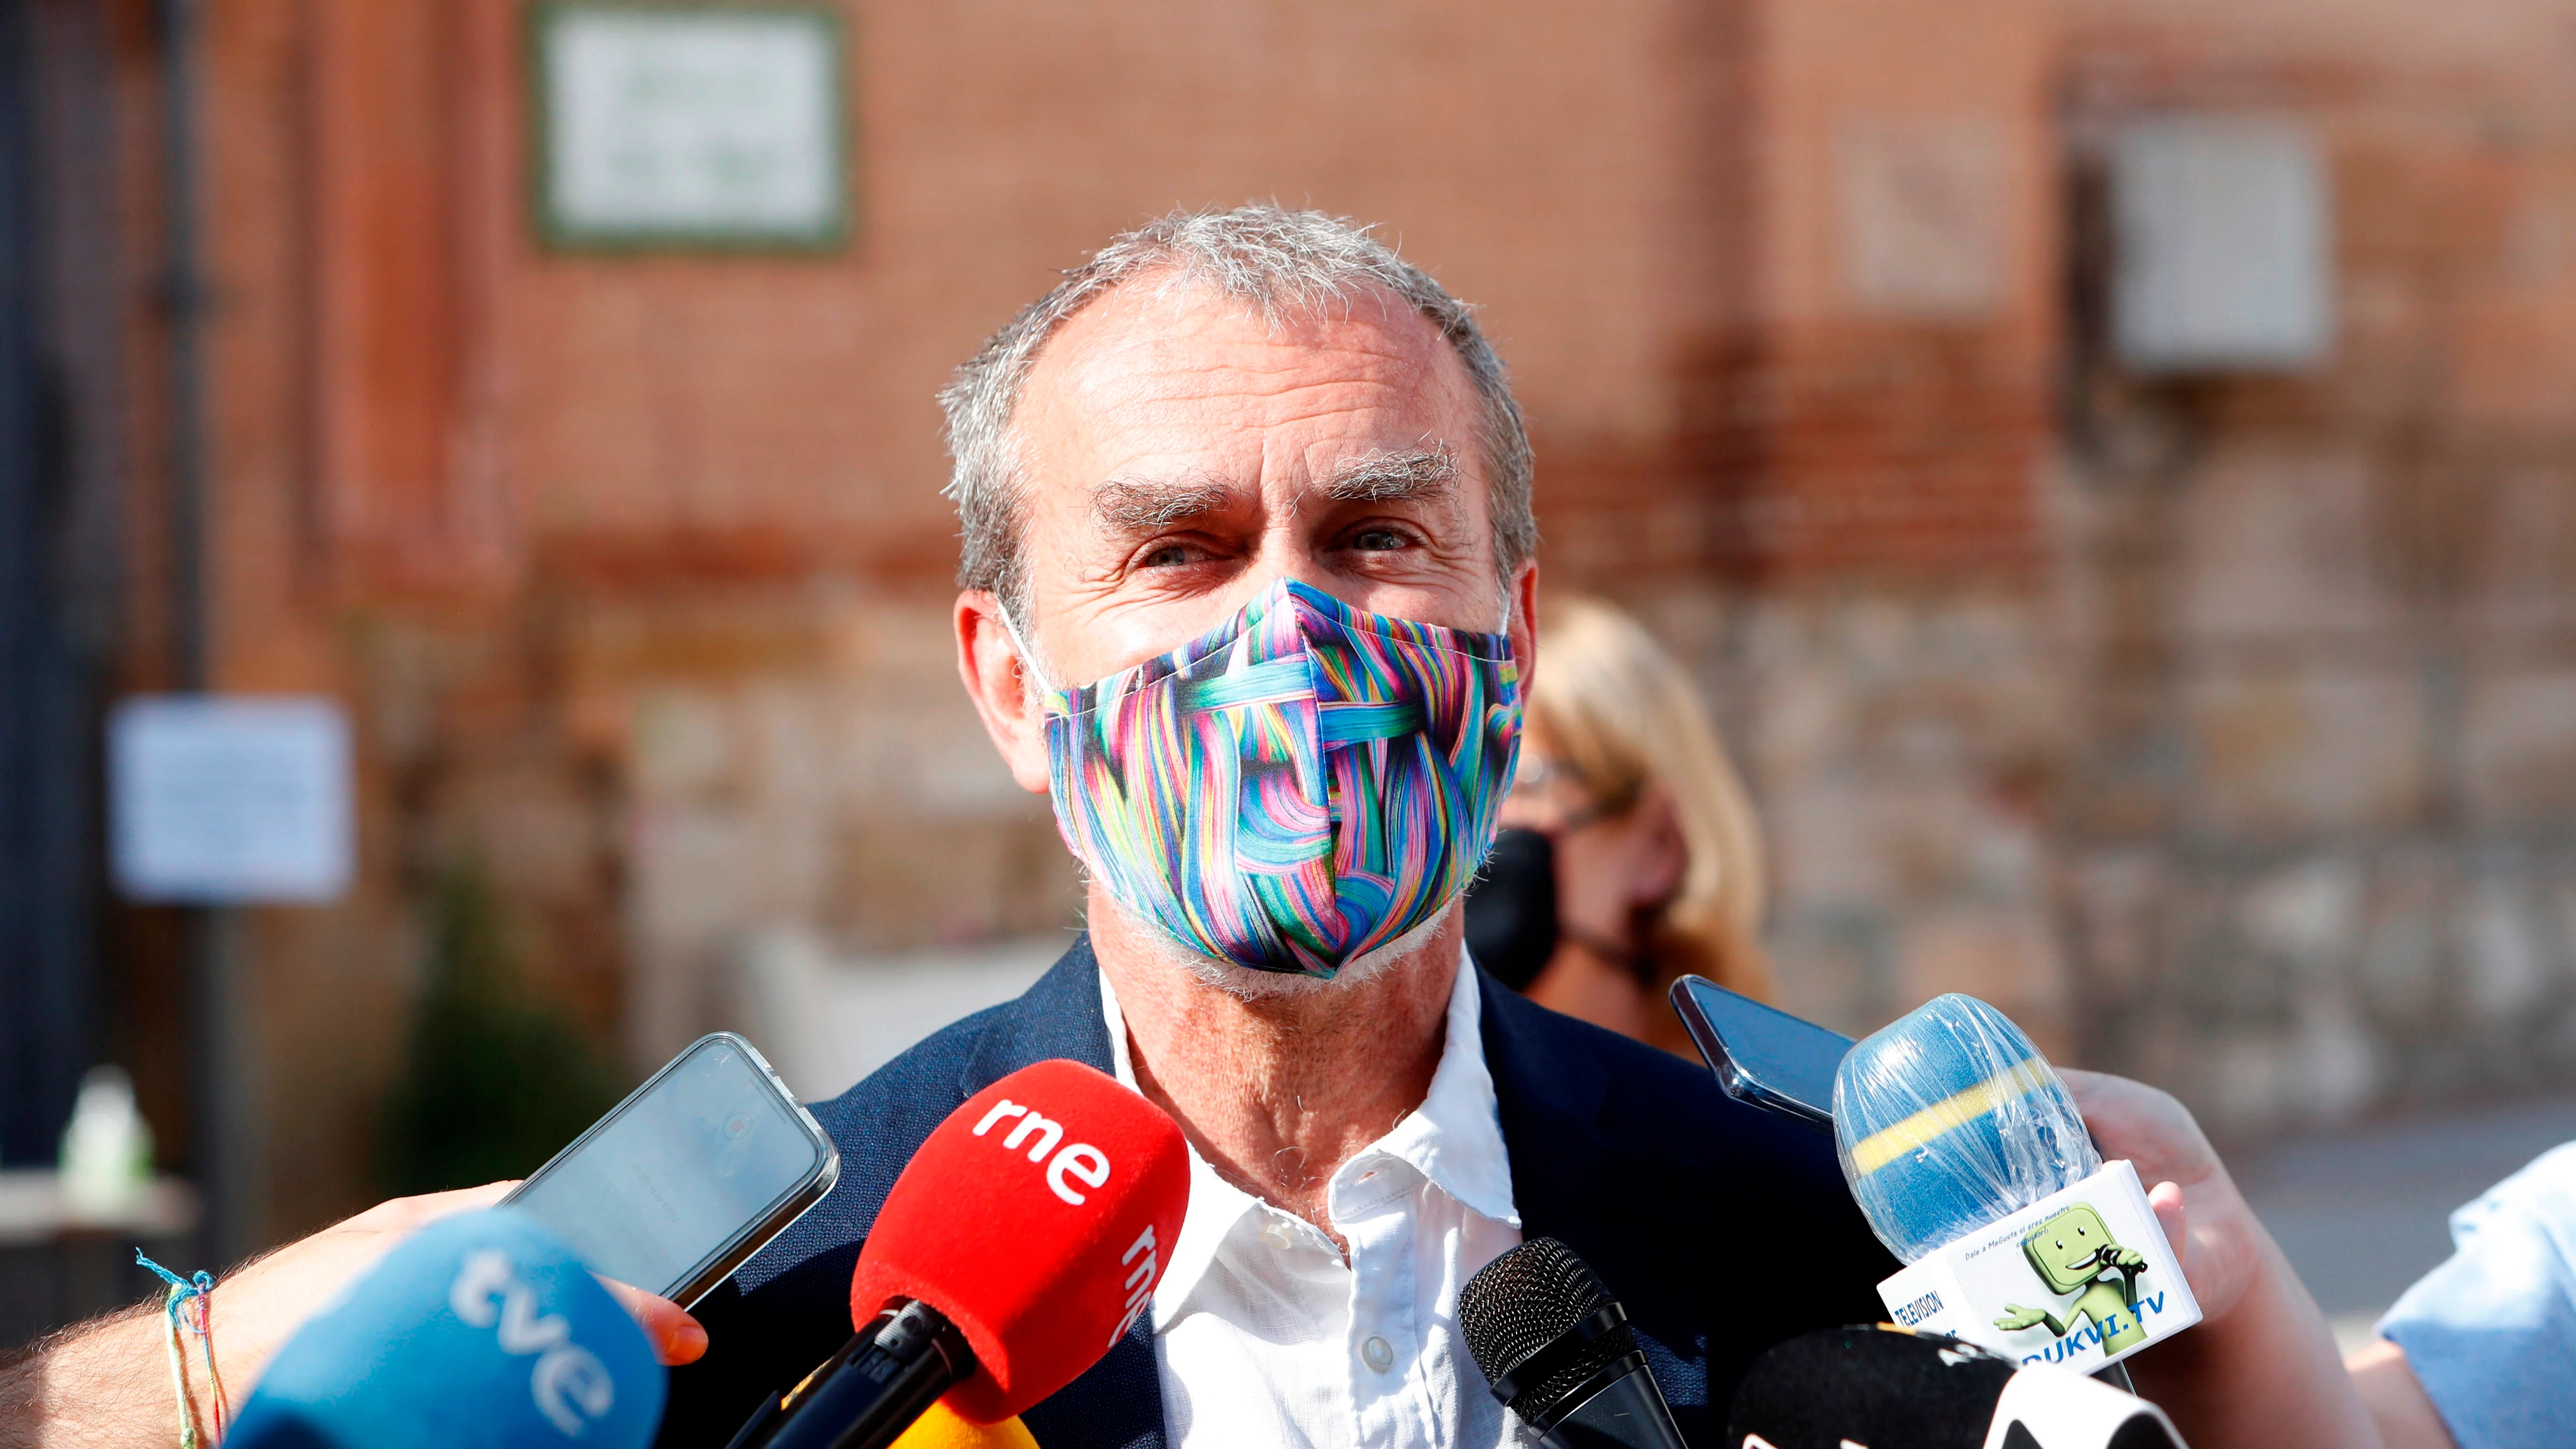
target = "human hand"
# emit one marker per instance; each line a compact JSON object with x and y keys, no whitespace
{"x":2221,"y":1244}
{"x":260,"y":1305}
{"x":107,"y":1382}
{"x":2261,"y":1369}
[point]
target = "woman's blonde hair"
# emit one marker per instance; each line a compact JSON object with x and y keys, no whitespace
{"x":1621,"y":717}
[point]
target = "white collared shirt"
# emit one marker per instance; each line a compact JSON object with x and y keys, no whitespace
{"x":1265,"y":1335}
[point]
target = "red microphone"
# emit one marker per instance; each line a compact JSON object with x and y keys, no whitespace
{"x":1015,"y":1250}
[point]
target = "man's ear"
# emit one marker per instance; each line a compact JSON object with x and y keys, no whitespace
{"x":1523,"y":625}
{"x":1004,"y":689}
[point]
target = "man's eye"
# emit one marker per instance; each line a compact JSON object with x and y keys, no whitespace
{"x":1170,"y":555}
{"x":1379,"y":540}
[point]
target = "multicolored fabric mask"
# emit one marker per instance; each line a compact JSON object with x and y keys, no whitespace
{"x":1296,"y":788}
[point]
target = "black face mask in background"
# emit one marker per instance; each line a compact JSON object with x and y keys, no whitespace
{"x":1511,"y":908}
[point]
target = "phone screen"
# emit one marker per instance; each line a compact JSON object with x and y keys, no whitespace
{"x":707,"y":1149}
{"x":1760,"y":1053}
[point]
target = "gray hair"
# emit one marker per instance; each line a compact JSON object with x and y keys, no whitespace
{"x":1276,"y":260}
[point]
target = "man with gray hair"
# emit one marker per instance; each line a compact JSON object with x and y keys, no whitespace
{"x":1248,"y":591}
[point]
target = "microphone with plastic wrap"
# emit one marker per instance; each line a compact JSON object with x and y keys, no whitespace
{"x":1968,"y":1157}
{"x":1015,"y":1250}
{"x":482,"y":1329}
{"x":1559,"y":1353}
{"x":1881,"y":1387}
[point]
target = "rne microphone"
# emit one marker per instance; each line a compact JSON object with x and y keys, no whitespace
{"x":1015,"y":1250}
{"x":1559,"y":1353}
{"x":481,"y":1328}
{"x":1968,"y":1157}
{"x":1877,"y":1386}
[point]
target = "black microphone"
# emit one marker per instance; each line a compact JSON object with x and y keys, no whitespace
{"x":1559,"y":1353}
{"x":869,"y":1392}
{"x":1885,"y":1387}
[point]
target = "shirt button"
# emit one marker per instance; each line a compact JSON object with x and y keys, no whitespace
{"x":1275,"y":1236}
{"x":1378,"y":1353}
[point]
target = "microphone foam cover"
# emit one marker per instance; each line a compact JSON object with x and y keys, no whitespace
{"x":1949,"y":1118}
{"x":481,"y":1328}
{"x":1873,"y":1384}
{"x":1038,"y":1217}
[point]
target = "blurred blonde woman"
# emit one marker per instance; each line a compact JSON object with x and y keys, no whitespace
{"x":1657,"y":865}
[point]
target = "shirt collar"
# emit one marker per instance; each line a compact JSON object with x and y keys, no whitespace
{"x":1454,"y":1139}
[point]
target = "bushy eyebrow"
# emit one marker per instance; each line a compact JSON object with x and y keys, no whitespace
{"x":1141,"y":505}
{"x":1416,"y":474}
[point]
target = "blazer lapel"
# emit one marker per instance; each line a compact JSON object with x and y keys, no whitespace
{"x":1571,"y":1183}
{"x":1057,"y":1017}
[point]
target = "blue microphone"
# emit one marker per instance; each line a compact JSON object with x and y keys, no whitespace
{"x":1948,"y":1119}
{"x":481,"y":1328}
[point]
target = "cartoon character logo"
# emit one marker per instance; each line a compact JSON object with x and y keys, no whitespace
{"x":2073,"y":1252}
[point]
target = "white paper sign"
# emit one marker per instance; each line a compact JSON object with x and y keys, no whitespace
{"x":229,"y":799}
{"x":2225,"y":252}
{"x":707,"y":124}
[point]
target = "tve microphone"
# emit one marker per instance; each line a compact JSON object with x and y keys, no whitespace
{"x":1882,"y":1387}
{"x":1967,"y":1155}
{"x":1559,"y":1353}
{"x":1014,"y":1251}
{"x":481,"y":1328}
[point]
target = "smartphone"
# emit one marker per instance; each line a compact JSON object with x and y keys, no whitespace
{"x":690,"y":1175}
{"x":1762,"y":1055}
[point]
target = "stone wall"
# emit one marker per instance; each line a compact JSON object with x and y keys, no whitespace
{"x":2315,"y":851}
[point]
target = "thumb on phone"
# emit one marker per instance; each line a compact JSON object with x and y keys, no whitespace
{"x":676,"y":1337}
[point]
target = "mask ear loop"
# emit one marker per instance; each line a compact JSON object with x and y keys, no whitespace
{"x":1029,"y":664}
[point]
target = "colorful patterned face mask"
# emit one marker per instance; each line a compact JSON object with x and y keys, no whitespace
{"x":1295,"y":789}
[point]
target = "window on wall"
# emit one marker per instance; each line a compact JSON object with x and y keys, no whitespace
{"x":2222,"y":246}
{"x":692,"y":126}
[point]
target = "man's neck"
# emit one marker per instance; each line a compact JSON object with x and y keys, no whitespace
{"x":1278,"y":1091}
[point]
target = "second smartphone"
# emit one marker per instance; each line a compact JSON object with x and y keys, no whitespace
{"x":693,"y":1172}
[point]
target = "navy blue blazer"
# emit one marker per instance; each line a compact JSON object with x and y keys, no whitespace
{"x":1722,"y":1228}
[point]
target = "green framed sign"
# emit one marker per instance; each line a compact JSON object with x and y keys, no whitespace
{"x":688,"y":126}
